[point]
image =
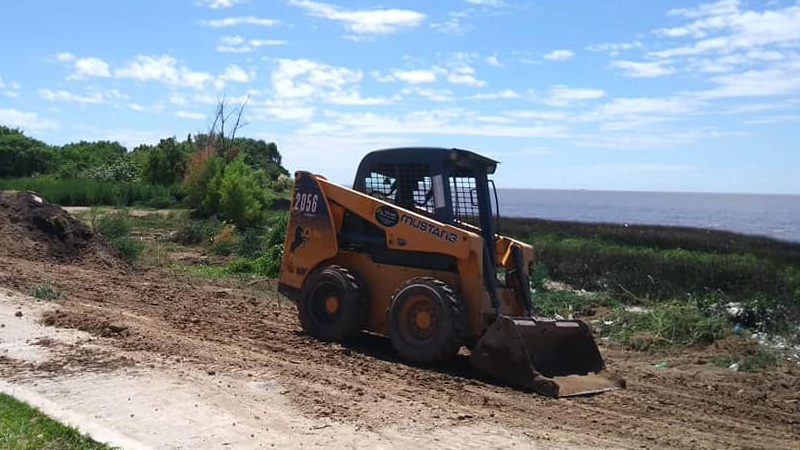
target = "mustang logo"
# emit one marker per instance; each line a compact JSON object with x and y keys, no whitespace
{"x":300,"y":239}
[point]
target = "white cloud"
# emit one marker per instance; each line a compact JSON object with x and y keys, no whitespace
{"x":64,"y":57}
{"x":707,"y":9}
{"x":236,"y":74}
{"x":163,"y":68}
{"x":449,"y":121}
{"x":91,"y":67}
{"x":782,"y":79}
{"x":220,"y":4}
{"x":59,"y":95}
{"x":379,"y":21}
{"x":493,"y":3}
{"x":493,"y":61}
{"x":29,"y":121}
{"x":415,"y":76}
{"x":300,"y":81}
{"x":9,"y":89}
{"x":283,"y":110}
{"x":503,"y":94}
{"x":614,"y":48}
{"x":453,"y":25}
{"x":236,"y":21}
{"x":566,"y":96}
{"x":646,"y":105}
{"x":304,"y":78}
{"x":460,"y":72}
{"x":238,"y":44}
{"x":639,"y":69}
{"x":723,"y":27}
{"x":190,"y":115}
{"x":434,"y":95}
{"x":559,"y":55}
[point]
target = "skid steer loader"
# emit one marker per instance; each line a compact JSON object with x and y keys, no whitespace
{"x":412,"y":252}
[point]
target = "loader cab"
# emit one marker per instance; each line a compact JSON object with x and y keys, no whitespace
{"x":449,"y":185}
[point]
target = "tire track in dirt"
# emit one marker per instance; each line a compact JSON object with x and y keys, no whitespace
{"x":227,"y":329}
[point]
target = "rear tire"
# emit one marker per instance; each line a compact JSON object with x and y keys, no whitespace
{"x":427,"y":323}
{"x":331,"y":306}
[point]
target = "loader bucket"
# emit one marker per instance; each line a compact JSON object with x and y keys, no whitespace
{"x":553,"y":358}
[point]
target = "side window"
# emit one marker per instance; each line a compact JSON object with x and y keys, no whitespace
{"x":381,"y":186}
{"x":464,"y":198}
{"x":382,"y":182}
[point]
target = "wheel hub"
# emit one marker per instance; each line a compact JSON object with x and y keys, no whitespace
{"x":331,"y":304}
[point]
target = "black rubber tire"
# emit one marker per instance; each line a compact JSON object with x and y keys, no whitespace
{"x":349,"y":318}
{"x":449,"y":322}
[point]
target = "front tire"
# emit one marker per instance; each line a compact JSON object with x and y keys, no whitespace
{"x":332,"y":306}
{"x":427,"y":323}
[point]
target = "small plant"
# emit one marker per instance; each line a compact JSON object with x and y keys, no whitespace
{"x":193,"y":232}
{"x":538,"y":276}
{"x":111,"y":225}
{"x":130,"y":247}
{"x":666,"y":324}
{"x":758,"y":359}
{"x":44,"y":291}
{"x":251,"y":243}
{"x":225,"y":243}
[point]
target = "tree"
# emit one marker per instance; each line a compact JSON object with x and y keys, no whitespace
{"x":242,"y":198}
{"x":76,"y":157}
{"x":21,"y":156}
{"x":165,"y":163}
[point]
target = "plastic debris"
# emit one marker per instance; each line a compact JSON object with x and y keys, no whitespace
{"x":661,"y":365}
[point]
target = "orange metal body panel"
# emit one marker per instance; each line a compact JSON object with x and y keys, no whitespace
{"x":412,"y":231}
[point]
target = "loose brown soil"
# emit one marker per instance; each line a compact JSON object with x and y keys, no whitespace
{"x":228,"y":328}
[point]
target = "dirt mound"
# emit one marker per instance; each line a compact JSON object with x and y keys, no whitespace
{"x":34,"y":229}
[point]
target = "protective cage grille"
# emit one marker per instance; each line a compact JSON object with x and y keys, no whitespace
{"x":408,"y":185}
{"x":464,"y":197}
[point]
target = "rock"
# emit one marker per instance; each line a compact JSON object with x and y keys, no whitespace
{"x":18,"y":313}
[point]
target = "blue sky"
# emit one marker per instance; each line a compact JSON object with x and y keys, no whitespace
{"x":584,"y":94}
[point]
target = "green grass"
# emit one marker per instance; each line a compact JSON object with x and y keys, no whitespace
{"x":668,"y":324}
{"x":44,"y":291}
{"x":658,"y":237}
{"x":85,"y":192}
{"x":25,"y":428}
{"x":759,"y":359}
{"x":549,"y":303}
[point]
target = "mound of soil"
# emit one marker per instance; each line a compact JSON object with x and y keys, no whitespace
{"x":34,"y":229}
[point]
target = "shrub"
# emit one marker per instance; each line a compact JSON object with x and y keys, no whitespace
{"x":43,"y":291}
{"x":666,"y":324}
{"x":193,"y":231}
{"x":757,"y":359}
{"x":269,"y":264}
{"x":251,"y":243}
{"x":225,"y":243}
{"x":112,"y":224}
{"x":130,"y":247}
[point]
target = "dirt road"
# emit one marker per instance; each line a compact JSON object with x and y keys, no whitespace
{"x":158,"y":325}
{"x":221,"y":329}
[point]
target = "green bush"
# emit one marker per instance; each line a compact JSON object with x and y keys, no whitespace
{"x":758,"y":359}
{"x":667,"y":324}
{"x":251,"y":243}
{"x":130,"y":247}
{"x":194,"y":231}
{"x":44,"y":291}
{"x":269,"y":264}
{"x":111,"y":225}
{"x":224,"y":247}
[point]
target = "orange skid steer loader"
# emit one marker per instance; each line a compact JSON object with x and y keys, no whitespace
{"x":412,"y":252}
